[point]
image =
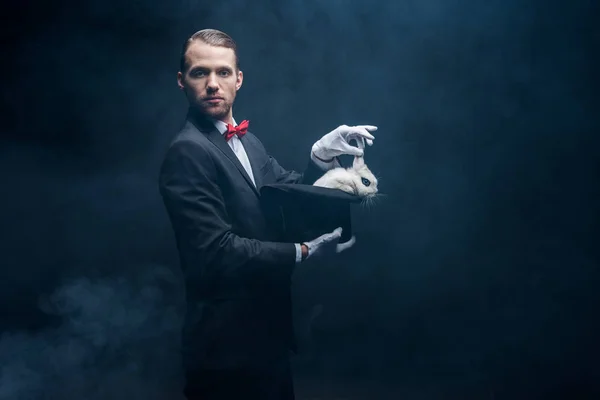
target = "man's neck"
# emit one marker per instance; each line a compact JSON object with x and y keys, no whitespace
{"x":228,"y":119}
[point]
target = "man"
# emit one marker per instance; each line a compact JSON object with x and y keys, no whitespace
{"x":238,"y":330}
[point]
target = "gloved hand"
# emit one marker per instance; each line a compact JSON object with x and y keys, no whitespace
{"x":335,"y":143}
{"x":328,"y":244}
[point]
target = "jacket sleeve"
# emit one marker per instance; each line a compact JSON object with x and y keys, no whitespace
{"x":189,"y":187}
{"x":308,"y":177}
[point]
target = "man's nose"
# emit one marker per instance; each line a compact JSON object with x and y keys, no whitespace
{"x":211,"y":83}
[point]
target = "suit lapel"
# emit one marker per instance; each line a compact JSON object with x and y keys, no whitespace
{"x":213,"y":134}
{"x":219,"y":141}
{"x":252,"y":153}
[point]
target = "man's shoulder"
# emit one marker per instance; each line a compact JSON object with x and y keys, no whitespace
{"x":187,"y":143}
{"x":188,"y":133}
{"x":187,"y":138}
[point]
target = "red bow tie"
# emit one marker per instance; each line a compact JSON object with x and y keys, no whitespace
{"x":239,"y":130}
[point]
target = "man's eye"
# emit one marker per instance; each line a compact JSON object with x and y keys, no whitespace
{"x":197,"y":74}
{"x":224,"y":73}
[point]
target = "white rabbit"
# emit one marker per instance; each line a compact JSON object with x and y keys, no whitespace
{"x":357,"y":180}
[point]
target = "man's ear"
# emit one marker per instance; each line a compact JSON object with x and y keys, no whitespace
{"x":240,"y":79}
{"x":180,"y":80}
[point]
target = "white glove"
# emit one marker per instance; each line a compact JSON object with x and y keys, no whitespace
{"x":335,"y":143}
{"x":328,"y":244}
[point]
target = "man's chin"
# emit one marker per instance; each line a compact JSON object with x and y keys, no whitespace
{"x":213,"y":112}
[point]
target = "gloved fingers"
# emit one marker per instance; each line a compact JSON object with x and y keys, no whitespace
{"x":346,"y":245}
{"x":336,"y":234}
{"x":359,"y":130}
{"x":353,"y":151}
{"x":360,"y":135}
{"x":327,"y":237}
{"x":360,"y":141}
{"x":371,"y":128}
{"x":333,"y":236}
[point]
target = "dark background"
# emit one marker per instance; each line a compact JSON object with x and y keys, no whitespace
{"x":475,"y":277}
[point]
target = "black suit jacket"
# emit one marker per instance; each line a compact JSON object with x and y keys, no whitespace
{"x":237,"y":275}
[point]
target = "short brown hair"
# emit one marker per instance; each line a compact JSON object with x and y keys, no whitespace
{"x":212,"y":37}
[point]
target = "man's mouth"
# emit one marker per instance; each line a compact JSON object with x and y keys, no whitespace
{"x":213,"y":99}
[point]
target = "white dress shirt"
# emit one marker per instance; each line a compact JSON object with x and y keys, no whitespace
{"x":238,"y":148}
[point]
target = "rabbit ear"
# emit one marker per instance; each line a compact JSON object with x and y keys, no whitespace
{"x":359,"y":160}
{"x":360,"y":143}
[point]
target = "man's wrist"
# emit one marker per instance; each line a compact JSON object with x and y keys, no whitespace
{"x":298,"y":253}
{"x":304,"y":249}
{"x":323,"y":164}
{"x":327,"y":161}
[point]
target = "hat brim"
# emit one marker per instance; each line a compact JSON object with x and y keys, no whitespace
{"x":299,"y":212}
{"x":308,"y":192}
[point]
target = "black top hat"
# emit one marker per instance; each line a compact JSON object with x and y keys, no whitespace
{"x":299,"y":212}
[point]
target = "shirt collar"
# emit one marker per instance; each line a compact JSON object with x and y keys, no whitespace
{"x":222,"y":126}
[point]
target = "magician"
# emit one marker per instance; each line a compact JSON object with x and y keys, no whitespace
{"x":238,"y":333}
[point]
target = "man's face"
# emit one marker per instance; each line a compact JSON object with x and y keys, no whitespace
{"x":210,"y":81}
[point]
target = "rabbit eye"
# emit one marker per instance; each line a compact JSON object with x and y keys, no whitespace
{"x":365,"y":181}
